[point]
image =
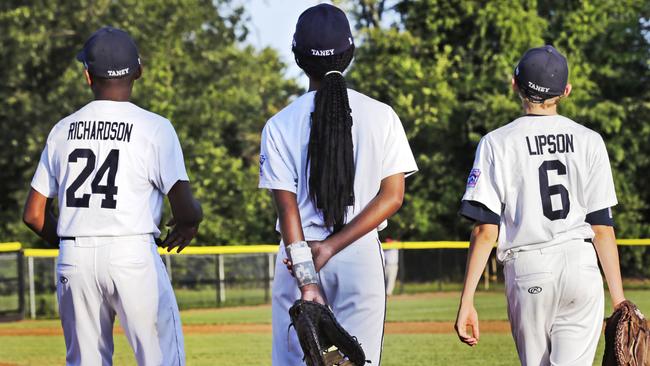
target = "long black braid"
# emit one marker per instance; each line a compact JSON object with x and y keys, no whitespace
{"x":330,"y":156}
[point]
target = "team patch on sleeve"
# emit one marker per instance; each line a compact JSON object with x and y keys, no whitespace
{"x":262,"y":160}
{"x":473,"y":178}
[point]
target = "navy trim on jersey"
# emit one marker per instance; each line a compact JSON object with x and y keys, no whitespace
{"x":600,"y":217}
{"x":478,"y":212}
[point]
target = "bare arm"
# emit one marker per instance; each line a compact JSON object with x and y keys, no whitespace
{"x":605,"y":244}
{"x":286,"y":205}
{"x":384,"y":205}
{"x":481,"y":243}
{"x":38,"y":216}
{"x":186,"y":216}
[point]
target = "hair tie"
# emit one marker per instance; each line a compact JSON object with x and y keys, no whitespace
{"x":334,"y":72}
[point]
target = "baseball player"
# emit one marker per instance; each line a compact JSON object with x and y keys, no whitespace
{"x":543,"y":185}
{"x":110,"y":164}
{"x":335,"y":161}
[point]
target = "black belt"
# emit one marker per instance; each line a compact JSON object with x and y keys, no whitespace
{"x":589,"y":241}
{"x":67,"y":238}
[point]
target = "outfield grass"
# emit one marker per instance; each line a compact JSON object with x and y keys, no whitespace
{"x":254,"y":349}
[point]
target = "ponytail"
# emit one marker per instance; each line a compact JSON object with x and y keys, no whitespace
{"x":330,"y":155}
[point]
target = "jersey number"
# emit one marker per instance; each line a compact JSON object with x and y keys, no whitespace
{"x":109,"y":190}
{"x":547,"y":191}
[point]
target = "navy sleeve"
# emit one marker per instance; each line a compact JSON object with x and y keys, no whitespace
{"x":478,"y":212}
{"x":601,"y":217}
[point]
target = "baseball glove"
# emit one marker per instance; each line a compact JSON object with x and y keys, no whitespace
{"x":323,"y":340}
{"x":627,"y":337}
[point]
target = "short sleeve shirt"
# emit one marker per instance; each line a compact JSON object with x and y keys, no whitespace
{"x":381,"y":149}
{"x":110,"y":165}
{"x":541,"y":176}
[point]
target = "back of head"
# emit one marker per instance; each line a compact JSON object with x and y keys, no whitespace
{"x":111,"y":58}
{"x":541,"y":74}
{"x":324,"y":48}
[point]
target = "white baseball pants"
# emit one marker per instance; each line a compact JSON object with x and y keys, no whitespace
{"x":353,"y":285}
{"x":555,"y":303}
{"x":100,"y":277}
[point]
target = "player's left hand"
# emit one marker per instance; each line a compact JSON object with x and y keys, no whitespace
{"x":321,"y":253}
{"x":467,"y":317}
{"x":180,"y":236}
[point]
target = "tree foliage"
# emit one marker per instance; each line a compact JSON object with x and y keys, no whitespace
{"x":445,"y":66}
{"x":198,"y":72}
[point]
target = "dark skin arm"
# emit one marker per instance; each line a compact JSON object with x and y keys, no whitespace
{"x":291,"y":228}
{"x":38,"y":216}
{"x":384,"y":205}
{"x":186,"y":217}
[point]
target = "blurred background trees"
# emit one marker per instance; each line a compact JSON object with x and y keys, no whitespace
{"x":444,"y":66}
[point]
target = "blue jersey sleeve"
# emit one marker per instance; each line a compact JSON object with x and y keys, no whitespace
{"x":478,"y":212}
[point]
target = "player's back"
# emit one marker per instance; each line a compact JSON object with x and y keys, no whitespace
{"x":107,"y":163}
{"x":380,"y":149}
{"x":547,"y":173}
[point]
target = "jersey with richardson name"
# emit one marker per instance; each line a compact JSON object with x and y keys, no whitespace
{"x":380,"y":146}
{"x":541,"y":177}
{"x":110,"y":165}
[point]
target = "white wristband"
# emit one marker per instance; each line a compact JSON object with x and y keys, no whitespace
{"x":303,"y":264}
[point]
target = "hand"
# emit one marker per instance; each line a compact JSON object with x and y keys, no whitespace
{"x":180,"y":236}
{"x":467,"y":316}
{"x":321,"y":252}
{"x":312,"y":292}
{"x":289,"y":265}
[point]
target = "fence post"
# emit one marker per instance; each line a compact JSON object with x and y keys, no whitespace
{"x":32,"y":295}
{"x":221,"y":286}
{"x":494,"y":277}
{"x":401,"y":270}
{"x":21,"y":284}
{"x":269,"y":276}
{"x":439,"y":270}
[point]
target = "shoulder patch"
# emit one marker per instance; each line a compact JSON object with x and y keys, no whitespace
{"x":474,"y":174}
{"x":262,"y":160}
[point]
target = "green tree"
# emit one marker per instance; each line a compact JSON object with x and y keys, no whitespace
{"x":445,"y":66}
{"x":197,"y":72}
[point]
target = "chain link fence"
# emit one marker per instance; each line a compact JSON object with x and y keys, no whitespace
{"x":209,"y":277}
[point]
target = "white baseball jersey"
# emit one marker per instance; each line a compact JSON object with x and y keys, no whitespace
{"x":540,"y":177}
{"x":380,"y":150}
{"x":110,"y":164}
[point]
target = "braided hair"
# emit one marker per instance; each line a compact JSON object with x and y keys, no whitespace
{"x":330,"y":156}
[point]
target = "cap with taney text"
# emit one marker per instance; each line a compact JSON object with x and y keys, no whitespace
{"x":322,"y":30}
{"x":110,"y":53}
{"x":542,"y":73}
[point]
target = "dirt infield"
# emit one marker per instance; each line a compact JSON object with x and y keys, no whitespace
{"x":495,"y":326}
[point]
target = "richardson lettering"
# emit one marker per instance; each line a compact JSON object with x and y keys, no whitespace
{"x":100,"y":130}
{"x":322,"y":52}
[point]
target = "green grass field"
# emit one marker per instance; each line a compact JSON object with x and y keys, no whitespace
{"x":240,"y":348}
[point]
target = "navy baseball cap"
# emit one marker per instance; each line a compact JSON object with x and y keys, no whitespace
{"x":110,"y":53}
{"x":322,"y":30}
{"x":542,"y":73}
